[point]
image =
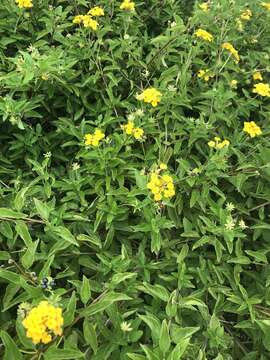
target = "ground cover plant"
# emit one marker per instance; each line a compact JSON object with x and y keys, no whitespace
{"x":134,"y":188}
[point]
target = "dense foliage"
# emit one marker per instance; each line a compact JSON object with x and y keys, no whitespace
{"x":134,"y":189}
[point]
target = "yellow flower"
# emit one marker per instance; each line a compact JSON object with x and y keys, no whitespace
{"x":96,"y":11}
{"x":94,"y":139}
{"x":228,"y":46}
{"x":233,"y":84}
{"x":78,"y":19}
{"x":161,"y":186}
{"x":204,"y":6}
{"x":205,"y":35}
{"x":262,"y":89}
{"x":138,"y":133}
{"x":205,"y":75}
{"x":24,"y":4}
{"x":127,"y":5}
{"x":252,"y":129}
{"x":151,"y":96}
{"x":130,"y":129}
{"x":163,"y":166}
{"x":44,"y":76}
{"x":89,"y":22}
{"x":266,"y":5}
{"x":246,"y":15}
{"x":257,"y":76}
{"x":217,"y":143}
{"x":43,"y":321}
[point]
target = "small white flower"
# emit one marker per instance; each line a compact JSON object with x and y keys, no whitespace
{"x":131,"y":117}
{"x":125,"y":326}
{"x":139,"y":112}
{"x":47,"y":155}
{"x":146,"y":73}
{"x":75,"y":166}
{"x":230,"y":206}
{"x":230,"y":224}
{"x":242,"y":224}
{"x":126,"y":36}
{"x":172,"y":88}
{"x":173,"y":24}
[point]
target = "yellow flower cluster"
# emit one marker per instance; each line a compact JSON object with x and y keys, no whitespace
{"x":203,"y":34}
{"x":252,"y":129}
{"x":266,"y":5}
{"x":246,"y":15}
{"x":218,"y":144}
{"x":161,"y":186}
{"x":42,"y":322}
{"x":87,"y":20}
{"x":94,"y":139}
{"x":228,"y":46}
{"x":204,"y":6}
{"x":205,"y":75}
{"x":233,"y":84}
{"x":150,"y":96}
{"x":24,"y":4}
{"x":257,"y":76}
{"x":127,"y":5}
{"x":130,"y":129}
{"x":262,"y":89}
{"x":96,"y":11}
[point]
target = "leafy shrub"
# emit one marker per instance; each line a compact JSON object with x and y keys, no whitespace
{"x":135,"y":168}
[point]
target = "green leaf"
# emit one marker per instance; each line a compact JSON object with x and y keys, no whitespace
{"x":153,"y":323}
{"x":8,"y":213}
{"x":164,"y":338}
{"x":104,"y":302}
{"x":180,"y":349}
{"x":42,"y":209}
{"x":157,"y":291}
{"x":89,"y":334}
{"x":62,"y":354}
{"x":85,"y":291}
{"x":22,"y":230}
{"x":11,"y":349}
{"x":28,"y":258}
{"x":64,"y":234}
{"x":70,"y":311}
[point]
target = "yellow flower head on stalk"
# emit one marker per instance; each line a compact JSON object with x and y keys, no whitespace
{"x":128,"y":5}
{"x":89,"y":22}
{"x":94,"y":139}
{"x":203,"y":34}
{"x":252,"y":129}
{"x":130,"y":129}
{"x":246,"y":15}
{"x":163,"y":166}
{"x":257,"y":76}
{"x":218,"y":144}
{"x":78,"y":19}
{"x":228,"y":46}
{"x":161,"y":186}
{"x":24,"y":4}
{"x":150,"y":96}
{"x":233,"y":84}
{"x":42,"y":322}
{"x":86,"y":20}
{"x":266,"y":5}
{"x":205,"y":74}
{"x":204,"y":6}
{"x":96,"y":11}
{"x":261,"y":89}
